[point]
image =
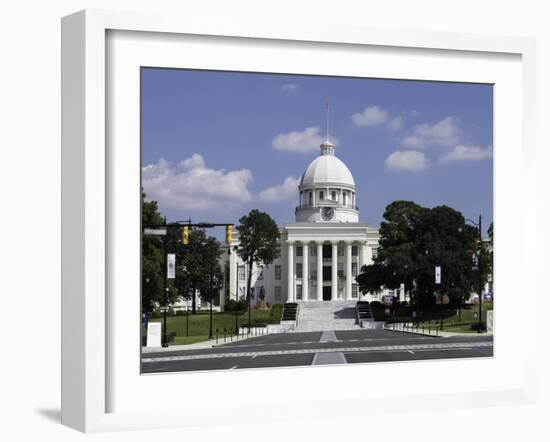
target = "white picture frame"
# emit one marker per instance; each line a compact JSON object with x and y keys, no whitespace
{"x":87,"y":211}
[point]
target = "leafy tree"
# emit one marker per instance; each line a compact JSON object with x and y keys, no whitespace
{"x":258,"y":237}
{"x":152,"y":258}
{"x":195,"y":262}
{"x":414,"y":240}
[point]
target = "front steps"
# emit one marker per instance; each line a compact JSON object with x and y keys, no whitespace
{"x":327,"y":315}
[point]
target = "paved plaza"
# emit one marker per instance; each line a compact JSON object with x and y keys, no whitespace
{"x":319,"y":348}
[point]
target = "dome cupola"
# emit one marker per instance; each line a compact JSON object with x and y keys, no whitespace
{"x":327,"y":190}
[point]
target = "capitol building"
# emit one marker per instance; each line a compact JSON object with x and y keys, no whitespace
{"x":322,"y":252}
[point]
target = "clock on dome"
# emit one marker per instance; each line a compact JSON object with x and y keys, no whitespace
{"x":327,"y":213}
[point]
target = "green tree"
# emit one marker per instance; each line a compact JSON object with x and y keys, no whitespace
{"x":195,"y":263}
{"x":152,"y":258}
{"x":258,"y":238}
{"x":414,"y":240}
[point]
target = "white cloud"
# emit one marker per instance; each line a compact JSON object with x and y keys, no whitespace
{"x":444,"y":133}
{"x":191,"y":185}
{"x":467,"y":153}
{"x":304,"y":141}
{"x":371,"y":116}
{"x":287,"y":190}
{"x":396,"y":123}
{"x":195,"y":161}
{"x":407,"y":161}
{"x":290,"y":87}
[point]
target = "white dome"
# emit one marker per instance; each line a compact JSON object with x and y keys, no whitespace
{"x":327,"y":169}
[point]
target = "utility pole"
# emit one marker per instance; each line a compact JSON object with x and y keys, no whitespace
{"x":480,"y":276}
{"x":164,"y":340}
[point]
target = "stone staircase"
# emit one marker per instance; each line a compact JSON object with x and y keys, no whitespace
{"x":327,"y":315}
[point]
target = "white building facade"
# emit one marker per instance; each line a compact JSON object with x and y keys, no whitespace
{"x":322,"y":252}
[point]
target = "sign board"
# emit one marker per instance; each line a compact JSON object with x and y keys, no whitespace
{"x":438,"y":275}
{"x":154,"y":334}
{"x":159,"y":232}
{"x":490,"y":321}
{"x":171,"y":265}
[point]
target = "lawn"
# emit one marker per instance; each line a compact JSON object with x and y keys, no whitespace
{"x":199,"y":324}
{"x":460,"y":323}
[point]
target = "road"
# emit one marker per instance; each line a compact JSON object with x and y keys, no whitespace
{"x":318,"y":348}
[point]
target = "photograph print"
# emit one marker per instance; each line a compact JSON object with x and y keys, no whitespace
{"x":301,"y":220}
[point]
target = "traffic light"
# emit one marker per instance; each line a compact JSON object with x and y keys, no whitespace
{"x":478,"y":244}
{"x":185,"y":235}
{"x":228,"y":234}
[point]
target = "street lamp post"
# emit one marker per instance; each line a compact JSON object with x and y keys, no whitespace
{"x":211,"y":292}
{"x":164,"y":338}
{"x":480,"y":295}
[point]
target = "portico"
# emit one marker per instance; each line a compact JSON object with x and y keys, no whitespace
{"x":323,"y":260}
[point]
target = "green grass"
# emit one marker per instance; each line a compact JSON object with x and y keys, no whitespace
{"x":199,"y":324}
{"x":462,"y":323}
{"x":185,"y":340}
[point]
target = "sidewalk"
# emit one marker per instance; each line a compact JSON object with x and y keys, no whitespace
{"x":440,"y":334}
{"x":196,"y":346}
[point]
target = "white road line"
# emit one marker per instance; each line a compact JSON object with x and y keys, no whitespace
{"x":392,"y":348}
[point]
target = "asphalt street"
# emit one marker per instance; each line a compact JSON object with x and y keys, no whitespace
{"x":318,"y":348}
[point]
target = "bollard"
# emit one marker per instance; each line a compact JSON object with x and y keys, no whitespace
{"x":224,"y":335}
{"x":216,"y":336}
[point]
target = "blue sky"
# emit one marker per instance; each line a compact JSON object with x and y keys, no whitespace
{"x":217,"y":144}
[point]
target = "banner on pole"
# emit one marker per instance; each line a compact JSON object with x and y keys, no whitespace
{"x":438,"y":275}
{"x":171,"y":266}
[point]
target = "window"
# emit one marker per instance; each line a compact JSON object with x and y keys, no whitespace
{"x":278,"y":273}
{"x":310,"y":199}
{"x":340,"y":273}
{"x":277,"y":293}
{"x":299,"y":251}
{"x":301,"y":198}
{"x":313,"y":251}
{"x":299,"y":270}
{"x":354,"y":250}
{"x":260,"y":272}
{"x":345,"y":195}
{"x":353,"y":269}
{"x":340,"y":251}
{"x":299,"y":291}
{"x":240,"y":273}
{"x":333,"y":195}
{"x":321,"y":195}
{"x":252,"y":290}
{"x":374,"y":252}
{"x":354,"y":291}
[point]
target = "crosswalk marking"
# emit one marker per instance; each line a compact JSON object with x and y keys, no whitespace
{"x":411,"y":347}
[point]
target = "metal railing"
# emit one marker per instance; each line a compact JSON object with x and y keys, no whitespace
{"x":228,"y":334}
{"x":412,"y":328}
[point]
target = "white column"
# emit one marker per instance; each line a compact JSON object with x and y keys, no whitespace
{"x":305,"y":271}
{"x":365,"y":254}
{"x":319,"y":271}
{"x":334,"y":293}
{"x":290,"y":261}
{"x":348,"y":270}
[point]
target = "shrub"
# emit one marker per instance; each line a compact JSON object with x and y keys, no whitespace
{"x":477,"y":326}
